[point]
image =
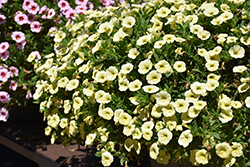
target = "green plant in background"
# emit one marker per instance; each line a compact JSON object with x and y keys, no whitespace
{"x":165,"y":78}
{"x":23,"y":41}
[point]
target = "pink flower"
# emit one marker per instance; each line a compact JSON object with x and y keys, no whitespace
{"x":2,"y":19}
{"x":81,"y":2}
{"x":63,"y":5}
{"x":13,"y":71}
{"x":5,"y":55}
{"x":20,"y":46}
{"x":70,"y":14}
{"x":33,"y":8}
{"x":51,"y":13}
{"x":52,"y":29}
{"x":28,"y":95}
{"x":4,"y":114}
{"x":31,"y":18}
{"x":35,"y":26}
{"x":44,"y":16}
{"x":26,"y":4}
{"x":90,"y":5}
{"x":38,"y":56}
{"x":18,"y":36}
{"x":13,"y":85}
{"x":107,"y":2}
{"x":21,"y":18}
{"x":4,"y":1}
{"x":4,"y":75}
{"x":43,"y":9}
{"x":4,"y":97}
{"x":4,"y":46}
{"x":79,"y":9}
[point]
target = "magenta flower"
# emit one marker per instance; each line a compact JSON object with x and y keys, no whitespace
{"x":13,"y":71}
{"x":26,"y":4}
{"x":21,"y":18}
{"x":13,"y":85}
{"x":2,"y":19}
{"x":28,"y":95}
{"x":43,"y":9}
{"x":20,"y":46}
{"x":31,"y":18}
{"x":81,"y":2}
{"x":107,"y":2}
{"x":4,"y":46}
{"x":33,"y":8}
{"x":5,"y":55}
{"x":4,"y":114}
{"x":18,"y":36}
{"x":62,"y":4}
{"x":51,"y":13}
{"x":90,"y":5}
{"x":4,"y":75}
{"x":4,"y":97}
{"x":4,"y":1}
{"x":35,"y":26}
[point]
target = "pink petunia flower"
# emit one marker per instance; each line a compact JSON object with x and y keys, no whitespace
{"x":26,"y":4}
{"x":21,"y":18}
{"x":28,"y":95}
{"x":18,"y":36}
{"x":62,"y":4}
{"x":14,"y":71}
{"x":20,"y":46}
{"x":44,"y":16}
{"x":80,"y":9}
{"x":4,"y":97}
{"x":38,"y":56}
{"x":51,"y":13}
{"x":35,"y":26}
{"x":33,"y":8}
{"x":2,"y":19}
{"x":81,"y":2}
{"x":13,"y":85}
{"x":4,"y":114}
{"x":70,"y":14}
{"x":3,"y":1}
{"x":31,"y":18}
{"x":52,"y":29}
{"x":4,"y":75}
{"x":43,"y":9}
{"x":5,"y":55}
{"x":4,"y":46}
{"x":107,"y":2}
{"x":90,"y":5}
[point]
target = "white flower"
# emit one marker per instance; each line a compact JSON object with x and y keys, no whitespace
{"x":168,"y":111}
{"x":135,"y":85}
{"x":203,"y":35}
{"x":239,"y":69}
{"x":63,"y":122}
{"x":156,"y":111}
{"x":153,"y":151}
{"x":180,"y":66}
{"x":123,"y":85}
{"x":181,"y":105}
{"x":147,"y":134}
{"x":164,"y":136}
{"x":137,"y":134}
{"x":128,"y":129}
{"x":163,"y":12}
{"x":190,"y":96}
{"x":159,"y":44}
{"x":124,"y":118}
{"x":212,"y":76}
{"x":150,"y":88}
{"x":107,"y":158}
{"x":72,"y":84}
{"x":119,"y":35}
{"x":103,"y":27}
{"x":247,"y":102}
{"x":237,"y":51}
{"x":145,"y":66}
{"x":198,"y":88}
{"x":163,"y":67}
{"x":149,"y":125}
{"x":128,"y":22}
{"x":185,"y":138}
{"x":111,"y":73}
{"x":199,"y":105}
{"x":223,"y":150}
{"x":53,"y":120}
{"x":106,"y":113}
{"x":211,"y":11}
{"x":101,"y":76}
{"x":153,"y":77}
{"x":77,"y":103}
{"x":63,"y":82}
{"x":211,"y":85}
{"x":126,"y":68}
{"x":163,"y":98}
{"x":196,"y":28}
{"x":143,"y":40}
{"x":192,"y":112}
{"x":169,"y":38}
{"x":133,"y":53}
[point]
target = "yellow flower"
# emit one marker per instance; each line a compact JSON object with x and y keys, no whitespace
{"x":199,"y":105}
{"x":117,"y":114}
{"x":60,"y":35}
{"x":66,"y":106}
{"x":103,"y":27}
{"x":211,"y":85}
{"x":153,"y":151}
{"x":150,"y":88}
{"x":156,"y":111}
{"x":126,"y":68}
{"x":107,"y":158}
{"x":243,"y":87}
{"x":164,"y":136}
{"x":211,"y":11}
{"x":63,"y":122}
{"x":163,"y":98}
{"x":190,"y":96}
{"x":212,"y":76}
{"x":163,"y":12}
{"x":247,"y":102}
{"x":223,"y":150}
{"x":237,"y":51}
{"x":147,"y":134}
{"x":128,"y":22}
{"x":136,"y":134}
{"x":145,"y":66}
{"x":94,"y":37}
{"x":119,"y":35}
{"x":203,"y":35}
{"x":72,"y":84}
{"x":180,"y":66}
{"x":169,"y":38}
{"x":128,"y":129}
{"x":168,"y":110}
{"x":123,"y":85}
{"x":124,"y":118}
{"x":53,"y":120}
{"x":143,"y":40}
{"x":153,"y":77}
{"x":229,"y":162}
{"x":163,"y":67}
{"x":181,"y":105}
{"x":192,"y":112}
{"x":31,"y":57}
{"x":226,"y":115}
{"x":185,"y":138}
{"x":202,"y":156}
{"x":159,"y":44}
{"x":63,"y":82}
{"x":129,"y":144}
{"x":236,"y":149}
{"x":198,"y":88}
{"x":106,"y":113}
{"x":77,"y":103}
{"x":196,"y":28}
{"x":101,"y":76}
{"x":135,"y":85}
{"x":47,"y":130}
{"x":133,"y":53}
{"x":239,"y":69}
{"x":163,"y":157}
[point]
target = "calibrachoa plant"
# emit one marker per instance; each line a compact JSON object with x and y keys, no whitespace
{"x":169,"y":79}
{"x":23,"y":41}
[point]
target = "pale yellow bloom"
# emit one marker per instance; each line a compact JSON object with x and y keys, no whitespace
{"x":223,"y":150}
{"x":237,"y":51}
{"x":196,"y":28}
{"x":143,"y":40}
{"x":63,"y":122}
{"x":185,"y":138}
{"x":163,"y":157}
{"x":145,"y":66}
{"x":226,"y":115}
{"x":150,"y":88}
{"x":237,"y":149}
{"x":163,"y":98}
{"x":107,"y":158}
{"x":202,"y":156}
{"x":124,"y":118}
{"x":133,"y":53}
{"x":135,"y":85}
{"x":181,"y":105}
{"x":169,"y":38}
{"x":239,"y":69}
{"x":72,"y":84}
{"x":153,"y":77}
{"x":153,"y":151}
{"x":164,"y":136}
{"x":128,"y":22}
{"x":163,"y":67}
{"x":180,"y":66}
{"x":126,"y":68}
{"x":203,"y":35}
{"x":247,"y":101}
